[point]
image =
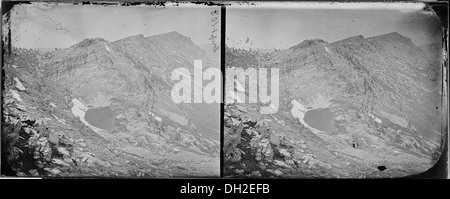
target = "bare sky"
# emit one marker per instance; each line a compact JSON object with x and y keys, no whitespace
{"x":283,"y":26}
{"x":267,"y":25}
{"x":60,"y":26}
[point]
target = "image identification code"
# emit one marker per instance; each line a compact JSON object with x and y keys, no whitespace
{"x":246,"y":188}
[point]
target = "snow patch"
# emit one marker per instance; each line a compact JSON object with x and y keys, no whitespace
{"x":51,"y":104}
{"x":299,"y":106}
{"x":107,"y":48}
{"x":19,"y":84}
{"x":79,"y":110}
{"x":298,"y":111}
{"x":79,"y":105}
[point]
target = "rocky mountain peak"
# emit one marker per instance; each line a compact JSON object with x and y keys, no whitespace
{"x":135,"y":38}
{"x":354,"y":39}
{"x":391,"y":37}
{"x":90,"y":42}
{"x":308,"y":43}
{"x":138,"y":36}
{"x":174,"y":35}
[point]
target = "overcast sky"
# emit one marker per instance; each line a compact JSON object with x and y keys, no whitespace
{"x":283,"y":26}
{"x":267,"y":25}
{"x":60,"y":26}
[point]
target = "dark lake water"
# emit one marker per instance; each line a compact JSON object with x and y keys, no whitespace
{"x":321,"y":119}
{"x":101,"y":117}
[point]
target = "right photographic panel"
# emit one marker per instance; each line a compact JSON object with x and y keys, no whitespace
{"x":333,"y":90}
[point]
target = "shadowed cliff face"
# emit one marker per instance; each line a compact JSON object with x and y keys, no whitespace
{"x":148,"y":135}
{"x":384,"y":93}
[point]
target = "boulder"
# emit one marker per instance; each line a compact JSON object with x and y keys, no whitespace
{"x":267,"y":150}
{"x":236,"y":157}
{"x":239,"y":172}
{"x":53,"y":137}
{"x":262,"y":166}
{"x":102,"y":163}
{"x":275,"y":172}
{"x":44,"y":150}
{"x":290,"y":162}
{"x":258,"y":155}
{"x":311,"y":155}
{"x":19,"y":84}
{"x":34,"y":172}
{"x":16,"y":95}
{"x":85,"y":157}
{"x":235,"y":113}
{"x":53,"y":171}
{"x":256,"y":174}
{"x":307,"y":159}
{"x":69,"y":160}
{"x":60,"y":162}
{"x":140,"y":175}
{"x":275,"y":139}
{"x":285,"y":153}
{"x":64,"y":152}
{"x":254,"y":142}
{"x":282,"y":164}
{"x":278,"y":172}
{"x":325,"y":165}
{"x":56,"y":171}
{"x":81,"y":142}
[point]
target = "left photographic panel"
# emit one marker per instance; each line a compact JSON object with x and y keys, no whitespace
{"x":111,"y":91}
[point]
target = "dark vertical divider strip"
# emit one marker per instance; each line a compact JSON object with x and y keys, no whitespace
{"x":222,"y":68}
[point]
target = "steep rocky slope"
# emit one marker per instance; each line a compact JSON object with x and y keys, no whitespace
{"x":151,"y":136}
{"x":384,"y":97}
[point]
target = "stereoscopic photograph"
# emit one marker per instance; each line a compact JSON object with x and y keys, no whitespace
{"x":333,"y":90}
{"x":91,"y":91}
{"x":146,"y":90}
